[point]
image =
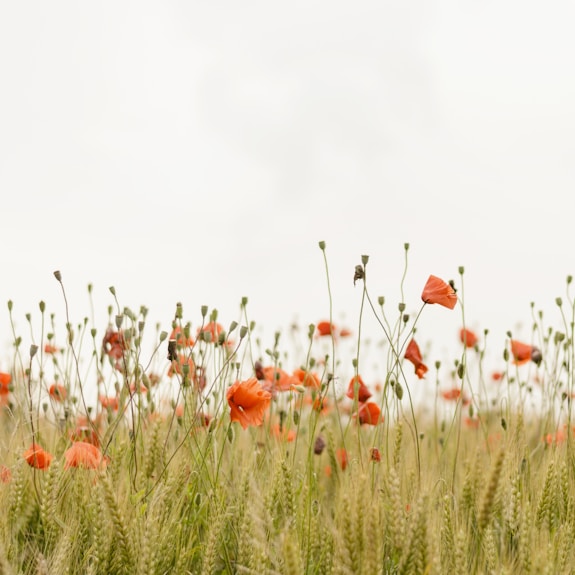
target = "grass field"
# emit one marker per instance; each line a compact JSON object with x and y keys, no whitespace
{"x":218,"y":454}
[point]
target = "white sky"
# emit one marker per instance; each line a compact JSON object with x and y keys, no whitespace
{"x":198,"y":151}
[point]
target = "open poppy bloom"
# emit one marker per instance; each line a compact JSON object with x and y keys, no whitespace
{"x":413,"y":354}
{"x":467,"y":337}
{"x":363,"y":393}
{"x":307,"y":378}
{"x":369,"y":413}
{"x":522,"y":353}
{"x":36,"y":457}
{"x":454,"y":394}
{"x":82,"y":454}
{"x":179,"y":335}
{"x":248,"y":402}
{"x":110,"y":402}
{"x":437,"y":291}
{"x":325,"y":328}
{"x":57,"y":392}
{"x":277,"y":379}
{"x":5,"y":379}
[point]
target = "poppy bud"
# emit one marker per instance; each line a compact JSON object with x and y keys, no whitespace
{"x":536,"y":356}
{"x":243,"y":331}
{"x":322,"y":246}
{"x":381,"y":300}
{"x":364,"y":260}
{"x":58,"y":275}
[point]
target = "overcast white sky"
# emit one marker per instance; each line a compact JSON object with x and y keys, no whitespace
{"x":198,"y":151}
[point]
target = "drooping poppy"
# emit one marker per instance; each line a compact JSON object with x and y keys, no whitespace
{"x":523,"y":352}
{"x":36,"y":457}
{"x":413,"y":354}
{"x":438,"y":291}
{"x":468,"y":337}
{"x":82,"y":454}
{"x":363,"y":393}
{"x":248,"y":402}
{"x":57,"y":392}
{"x":369,"y":413}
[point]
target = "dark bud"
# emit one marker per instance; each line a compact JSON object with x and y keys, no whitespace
{"x":319,"y":445}
{"x":359,"y":273}
{"x":536,"y":356}
{"x":172,"y":354}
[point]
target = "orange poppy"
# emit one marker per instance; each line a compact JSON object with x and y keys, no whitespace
{"x":50,"y":349}
{"x":467,"y":337}
{"x":341,"y":455}
{"x":363,"y":393}
{"x":5,"y":380}
{"x":413,"y":354}
{"x":278,"y":380}
{"x":374,"y":454}
{"x":180,"y":337}
{"x":437,"y":291}
{"x":344,"y":332}
{"x":213,"y":331}
{"x":369,"y":413}
{"x":325,"y":328}
{"x":5,"y":474}
{"x":248,"y":401}
{"x":82,"y":454}
{"x":57,"y":392}
{"x":36,"y":457}
{"x":453,"y":395}
{"x":497,"y":375}
{"x":176,"y":365}
{"x":307,"y":378}
{"x":522,"y":352}
{"x":110,"y":402}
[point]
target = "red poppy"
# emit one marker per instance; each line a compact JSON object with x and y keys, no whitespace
{"x":176,"y":365}
{"x":82,"y":454}
{"x":307,"y":378}
{"x":325,"y":328}
{"x":374,"y":454}
{"x":50,"y":349}
{"x":143,"y":388}
{"x":5,"y":474}
{"x":454,"y":394}
{"x":5,"y":380}
{"x":211,"y":331}
{"x":179,"y":410}
{"x":36,"y":457}
{"x":248,"y":401}
{"x":369,"y":413}
{"x":413,"y":354}
{"x":57,"y":392}
{"x":363,"y":393}
{"x":86,"y":434}
{"x":522,"y":352}
{"x":344,"y":332}
{"x":341,"y":455}
{"x":497,"y":375}
{"x":467,"y":337}
{"x":437,"y":291}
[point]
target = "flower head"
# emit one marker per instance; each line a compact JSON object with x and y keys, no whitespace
{"x":36,"y":457}
{"x":437,"y":291}
{"x":369,"y":413}
{"x":57,"y":392}
{"x":523,"y":352}
{"x":413,"y":354}
{"x":82,"y":454}
{"x":467,"y":337}
{"x":248,"y":401}
{"x":363,"y":393}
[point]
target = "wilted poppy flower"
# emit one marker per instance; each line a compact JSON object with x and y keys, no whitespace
{"x":413,"y":354}
{"x":363,"y":393}
{"x":307,"y":378}
{"x":374,"y":454}
{"x":369,"y":413}
{"x":248,"y":401}
{"x":210,"y":332}
{"x":36,"y":457}
{"x":522,"y":353}
{"x":82,"y":454}
{"x":467,"y":337}
{"x":57,"y":392}
{"x":437,"y":291}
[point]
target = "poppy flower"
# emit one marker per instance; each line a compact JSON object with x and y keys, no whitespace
{"x":374,"y":454}
{"x":344,"y":332}
{"x":5,"y":380}
{"x":307,"y":378}
{"x":82,"y":454}
{"x":325,"y":328}
{"x":36,"y":457}
{"x":453,"y":395}
{"x":363,"y":393}
{"x":176,"y":365}
{"x":437,"y":291}
{"x":522,"y":353}
{"x":277,"y":379}
{"x":50,"y":349}
{"x":413,"y":354}
{"x":341,"y":455}
{"x":248,"y":401}
{"x":5,"y":474}
{"x":57,"y":392}
{"x":467,"y":337}
{"x":210,"y":332}
{"x":178,"y":334}
{"x":109,"y":402}
{"x":369,"y":413}
{"x":86,"y":434}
